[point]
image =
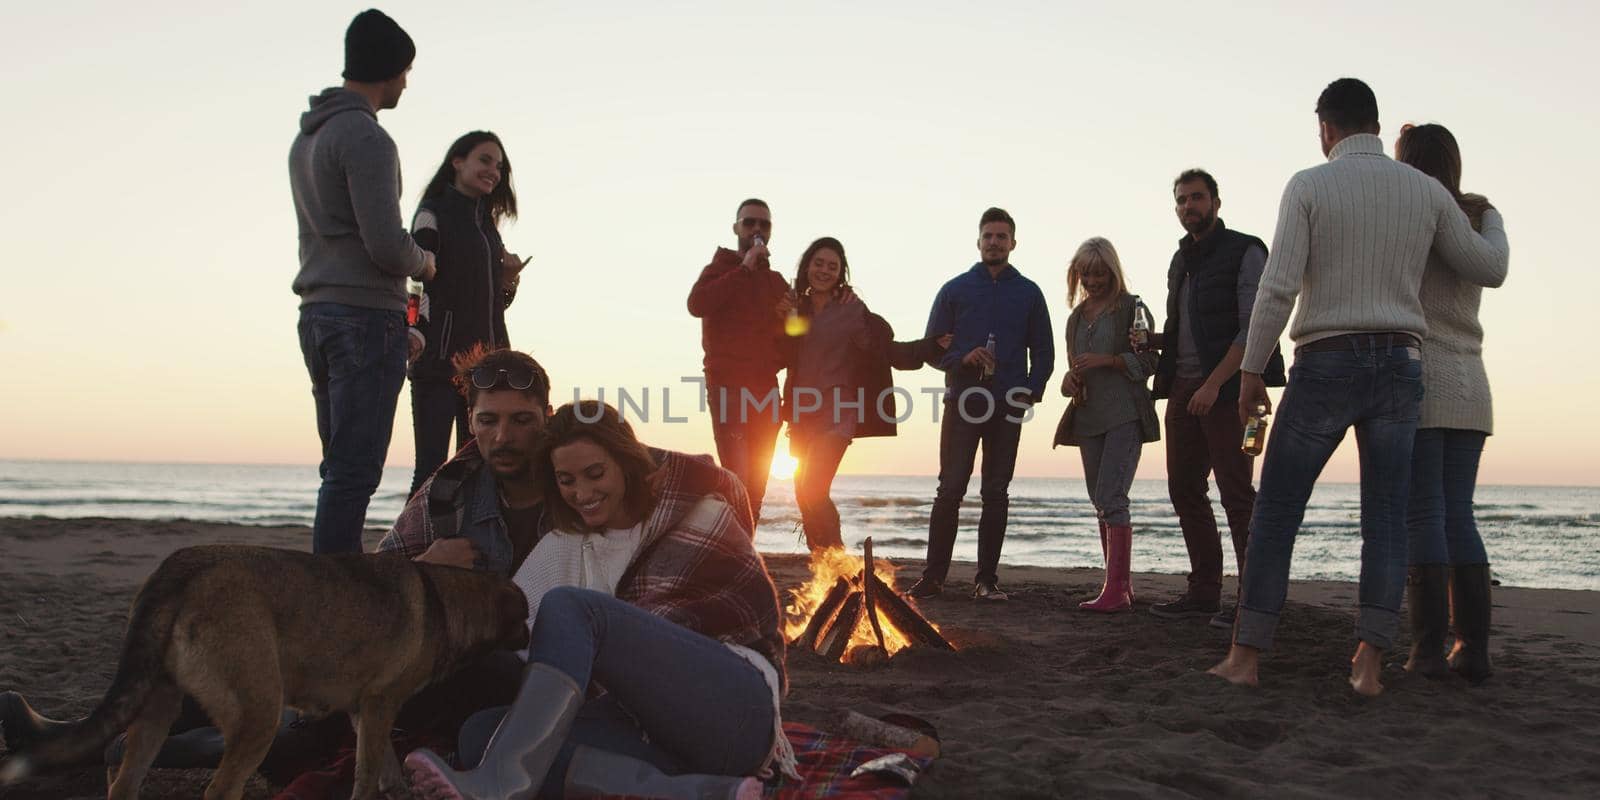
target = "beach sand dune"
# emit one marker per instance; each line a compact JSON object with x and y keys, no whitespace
{"x":1041,"y":700}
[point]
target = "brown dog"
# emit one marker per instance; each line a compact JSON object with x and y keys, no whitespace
{"x":248,"y":630}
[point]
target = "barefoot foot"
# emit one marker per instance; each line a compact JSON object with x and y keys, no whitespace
{"x":1239,"y":668}
{"x":1365,"y":667}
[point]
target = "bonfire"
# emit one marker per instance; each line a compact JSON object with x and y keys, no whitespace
{"x":847,"y":613}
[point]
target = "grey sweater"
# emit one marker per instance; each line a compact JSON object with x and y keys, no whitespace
{"x":345,"y":175}
{"x":1352,"y":242}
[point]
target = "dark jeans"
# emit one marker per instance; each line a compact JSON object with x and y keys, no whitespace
{"x":1444,"y":473}
{"x":676,"y":699}
{"x":819,"y":455}
{"x":1374,"y":386}
{"x":959,"y":440}
{"x":436,"y":408}
{"x":1198,"y":446}
{"x":1109,"y":461}
{"x":745,"y":441}
{"x":357,"y":361}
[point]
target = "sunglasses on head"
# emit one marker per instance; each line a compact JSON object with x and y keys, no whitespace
{"x":518,"y":378}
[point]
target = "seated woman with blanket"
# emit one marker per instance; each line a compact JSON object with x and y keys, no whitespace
{"x":657,"y":661}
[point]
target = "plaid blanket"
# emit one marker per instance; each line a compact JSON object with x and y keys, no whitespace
{"x":697,"y":566}
{"x":826,"y":762}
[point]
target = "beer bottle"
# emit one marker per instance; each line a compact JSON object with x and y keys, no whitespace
{"x":1141,"y":328}
{"x":413,"y":300}
{"x":794,"y":324}
{"x":987,"y":373}
{"x":1255,"y":432}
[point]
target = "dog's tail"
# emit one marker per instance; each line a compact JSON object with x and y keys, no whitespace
{"x":139,"y":669}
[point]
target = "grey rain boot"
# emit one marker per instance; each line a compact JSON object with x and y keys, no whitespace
{"x":600,"y":773}
{"x":520,"y":752}
{"x":1428,"y":603}
{"x":1470,"y":600}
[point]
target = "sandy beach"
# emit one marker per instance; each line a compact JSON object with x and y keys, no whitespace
{"x":1041,"y":700}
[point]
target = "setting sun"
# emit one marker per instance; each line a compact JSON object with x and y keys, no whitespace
{"x":783,"y":466}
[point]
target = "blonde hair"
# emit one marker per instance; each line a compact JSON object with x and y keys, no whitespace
{"x":1094,"y":252}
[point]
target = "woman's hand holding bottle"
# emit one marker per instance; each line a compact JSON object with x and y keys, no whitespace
{"x":1072,"y":385}
{"x":1087,"y":361}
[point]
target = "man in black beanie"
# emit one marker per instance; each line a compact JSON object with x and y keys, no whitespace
{"x":355,"y":256}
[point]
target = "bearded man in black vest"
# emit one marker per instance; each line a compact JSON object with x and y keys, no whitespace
{"x":1211,"y":287}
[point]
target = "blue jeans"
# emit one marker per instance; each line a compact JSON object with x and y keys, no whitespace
{"x":1375,"y":386}
{"x":1109,"y":461}
{"x":745,"y":441}
{"x":676,"y":699}
{"x":1444,"y":473}
{"x":357,"y":361}
{"x":959,"y":438}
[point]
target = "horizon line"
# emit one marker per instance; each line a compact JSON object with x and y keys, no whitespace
{"x":130,"y":462}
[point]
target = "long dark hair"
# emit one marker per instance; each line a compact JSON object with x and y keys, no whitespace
{"x":502,"y":202}
{"x":1432,"y":149}
{"x":802,"y":282}
{"x":601,"y":424}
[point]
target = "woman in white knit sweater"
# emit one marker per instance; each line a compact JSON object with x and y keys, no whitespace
{"x":1449,"y":566}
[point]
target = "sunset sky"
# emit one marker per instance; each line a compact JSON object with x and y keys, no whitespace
{"x":148,"y":315}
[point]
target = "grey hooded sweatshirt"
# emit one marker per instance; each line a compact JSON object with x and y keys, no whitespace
{"x":345,"y":174}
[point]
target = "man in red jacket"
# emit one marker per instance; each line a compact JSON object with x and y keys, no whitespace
{"x":741,"y":304}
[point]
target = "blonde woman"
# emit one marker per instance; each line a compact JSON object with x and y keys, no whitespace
{"x":1111,"y":415}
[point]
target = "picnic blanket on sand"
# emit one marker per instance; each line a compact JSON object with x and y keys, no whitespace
{"x":826,"y":762}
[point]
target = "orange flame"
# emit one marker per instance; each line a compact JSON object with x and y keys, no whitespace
{"x":827,"y":566}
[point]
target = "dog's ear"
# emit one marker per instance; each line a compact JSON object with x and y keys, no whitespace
{"x":512,"y":609}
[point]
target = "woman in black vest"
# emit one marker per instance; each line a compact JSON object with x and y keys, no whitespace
{"x":458,"y":221}
{"x":838,"y":354}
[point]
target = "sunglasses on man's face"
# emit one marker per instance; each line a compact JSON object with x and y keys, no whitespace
{"x":518,"y":378}
{"x":756,"y":222}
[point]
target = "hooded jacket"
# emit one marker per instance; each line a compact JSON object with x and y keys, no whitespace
{"x":738,"y":329}
{"x":345,"y":175}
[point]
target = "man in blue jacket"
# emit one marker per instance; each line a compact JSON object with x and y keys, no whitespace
{"x":995,"y":369}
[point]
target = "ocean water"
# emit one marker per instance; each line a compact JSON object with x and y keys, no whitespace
{"x":1537,"y":536}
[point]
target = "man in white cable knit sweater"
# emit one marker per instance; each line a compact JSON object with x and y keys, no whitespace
{"x":1352,"y":242}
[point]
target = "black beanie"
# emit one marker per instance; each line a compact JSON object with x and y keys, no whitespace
{"x":375,"y":48}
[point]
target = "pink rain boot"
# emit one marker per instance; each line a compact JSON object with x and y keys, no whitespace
{"x":1116,"y":594}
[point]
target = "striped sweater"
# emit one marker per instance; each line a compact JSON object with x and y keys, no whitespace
{"x":1352,"y":243}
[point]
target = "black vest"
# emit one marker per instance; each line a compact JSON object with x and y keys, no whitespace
{"x":1212,"y":266}
{"x":465,"y":303}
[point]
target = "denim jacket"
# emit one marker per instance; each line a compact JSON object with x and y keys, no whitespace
{"x":460,"y":499}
